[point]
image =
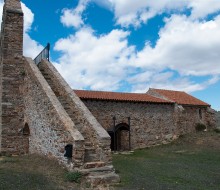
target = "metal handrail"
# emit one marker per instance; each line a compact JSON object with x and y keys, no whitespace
{"x":44,"y":54}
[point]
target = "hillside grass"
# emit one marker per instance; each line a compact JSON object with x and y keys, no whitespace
{"x":32,"y":172}
{"x":192,"y":162}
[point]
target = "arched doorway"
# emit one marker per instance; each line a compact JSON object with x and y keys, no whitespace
{"x":120,"y":137}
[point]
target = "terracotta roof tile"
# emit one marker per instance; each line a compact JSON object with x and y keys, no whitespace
{"x":118,"y":96}
{"x":180,"y":97}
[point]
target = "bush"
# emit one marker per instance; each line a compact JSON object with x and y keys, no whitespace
{"x":74,"y":176}
{"x":200,"y":127}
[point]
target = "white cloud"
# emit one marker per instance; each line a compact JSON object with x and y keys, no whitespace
{"x":93,"y":61}
{"x":201,"y":8}
{"x":28,"y":17}
{"x":73,"y":17}
{"x":164,"y":80}
{"x":189,"y":47}
{"x":130,"y":12}
{"x":31,"y":47}
{"x":134,"y":13}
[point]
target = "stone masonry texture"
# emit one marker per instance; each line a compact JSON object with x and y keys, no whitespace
{"x":150,"y":124}
{"x":97,"y":139}
{"x":12,"y":80}
{"x":51,"y":129}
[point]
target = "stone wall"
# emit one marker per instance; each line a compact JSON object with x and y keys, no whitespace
{"x":97,"y":140}
{"x":151,"y":124}
{"x":11,"y":80}
{"x":51,"y":129}
{"x":210,"y":118}
{"x":187,"y":117}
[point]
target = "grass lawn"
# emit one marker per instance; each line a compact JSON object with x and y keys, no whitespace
{"x":192,"y":162}
{"x":32,"y":172}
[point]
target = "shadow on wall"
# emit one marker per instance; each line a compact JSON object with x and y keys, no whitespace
{"x":26,"y":135}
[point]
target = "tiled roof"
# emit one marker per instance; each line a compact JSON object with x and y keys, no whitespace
{"x":118,"y":96}
{"x":180,"y":97}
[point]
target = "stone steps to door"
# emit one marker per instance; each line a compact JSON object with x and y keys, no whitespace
{"x":96,"y":172}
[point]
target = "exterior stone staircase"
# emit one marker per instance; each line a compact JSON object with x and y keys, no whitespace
{"x":42,"y":101}
{"x":90,"y":151}
{"x":97,"y":172}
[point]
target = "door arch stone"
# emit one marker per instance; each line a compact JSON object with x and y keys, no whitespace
{"x":120,"y":137}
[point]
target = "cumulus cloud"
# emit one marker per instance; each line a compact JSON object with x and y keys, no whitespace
{"x":189,"y":47}
{"x":140,"y":11}
{"x":165,"y":80}
{"x":200,"y":8}
{"x":28,"y":17}
{"x":186,"y":47}
{"x":96,"y":62}
{"x":73,"y":17}
{"x":31,"y":47}
{"x":136,"y":12}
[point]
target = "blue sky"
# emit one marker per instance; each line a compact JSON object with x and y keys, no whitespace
{"x":129,"y":46}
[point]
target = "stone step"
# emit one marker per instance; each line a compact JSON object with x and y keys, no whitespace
{"x":89,"y":165}
{"x":98,"y":171}
{"x":103,"y":179}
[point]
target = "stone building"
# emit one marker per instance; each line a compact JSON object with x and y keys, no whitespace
{"x":41,"y":114}
{"x":141,"y":120}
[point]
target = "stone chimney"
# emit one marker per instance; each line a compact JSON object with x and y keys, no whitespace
{"x":11,"y":79}
{"x":12,"y":28}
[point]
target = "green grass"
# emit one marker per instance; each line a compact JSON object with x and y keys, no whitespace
{"x":32,"y":172}
{"x":74,"y":176}
{"x":192,"y":162}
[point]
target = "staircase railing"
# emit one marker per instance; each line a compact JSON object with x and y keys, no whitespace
{"x":44,"y":54}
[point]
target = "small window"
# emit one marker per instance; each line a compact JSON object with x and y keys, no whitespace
{"x":68,"y":151}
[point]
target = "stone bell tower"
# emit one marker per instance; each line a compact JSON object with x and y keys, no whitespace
{"x":12,"y":139}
